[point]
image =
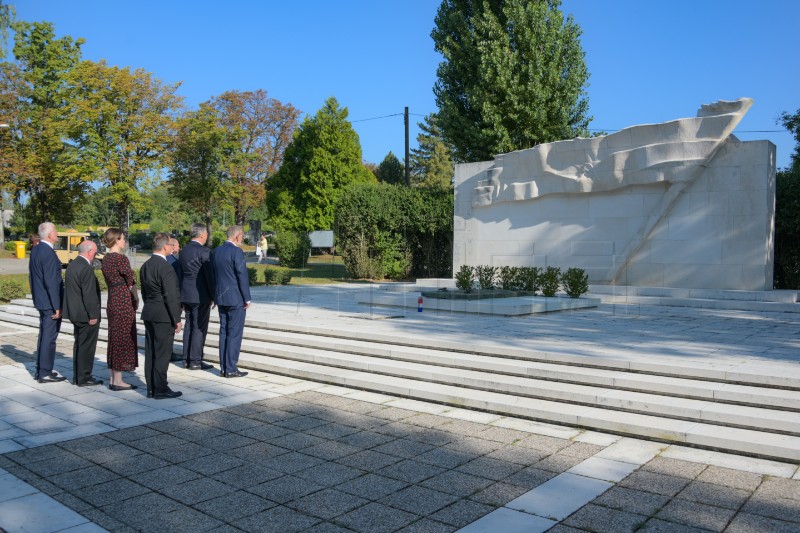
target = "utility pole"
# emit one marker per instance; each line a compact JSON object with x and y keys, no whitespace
{"x":408,"y":177}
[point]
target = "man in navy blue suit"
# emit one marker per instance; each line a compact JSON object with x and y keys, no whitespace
{"x":197,"y":291}
{"x":232,"y":296}
{"x":47,"y":289}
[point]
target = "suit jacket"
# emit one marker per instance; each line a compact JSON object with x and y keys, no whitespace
{"x":175,"y":263}
{"x":230,"y":275}
{"x":44,"y":271}
{"x":81,"y":292}
{"x":197,"y":284}
{"x":160,"y":291}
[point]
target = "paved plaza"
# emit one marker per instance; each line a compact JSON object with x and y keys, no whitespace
{"x":274,"y":453}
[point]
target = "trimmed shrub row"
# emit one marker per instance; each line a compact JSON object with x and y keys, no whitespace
{"x":574,"y":281}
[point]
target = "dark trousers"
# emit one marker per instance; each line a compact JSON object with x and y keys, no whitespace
{"x":84,"y":350}
{"x":195,"y":331}
{"x":231,"y":328}
{"x":158,"y":340}
{"x":46,"y":344}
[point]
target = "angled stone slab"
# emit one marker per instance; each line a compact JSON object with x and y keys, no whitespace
{"x":561,"y":496}
{"x":509,"y":521}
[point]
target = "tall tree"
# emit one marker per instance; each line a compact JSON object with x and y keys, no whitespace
{"x":431,"y":163}
{"x":197,"y":163}
{"x":49,"y":167}
{"x":264,"y":127}
{"x":513,"y":76}
{"x":391,"y":170}
{"x":323,"y":159}
{"x":6,"y":18}
{"x":124,"y":124}
{"x":787,"y":213}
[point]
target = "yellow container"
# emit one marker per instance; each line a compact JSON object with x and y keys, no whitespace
{"x":21,"y":245}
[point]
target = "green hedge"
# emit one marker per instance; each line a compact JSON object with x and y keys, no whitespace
{"x":293,"y":248}
{"x":388,"y":231}
{"x":787,"y":230}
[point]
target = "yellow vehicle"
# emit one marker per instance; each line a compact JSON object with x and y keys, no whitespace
{"x":67,"y":246}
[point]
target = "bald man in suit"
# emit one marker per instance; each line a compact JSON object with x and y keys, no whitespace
{"x":82,"y":308}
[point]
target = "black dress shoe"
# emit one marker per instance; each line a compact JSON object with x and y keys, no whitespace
{"x":167,"y":394}
{"x":149,"y":394}
{"x":223,"y":374}
{"x":205,"y":366}
{"x":194,"y":366}
{"x":117,"y":388}
{"x":50,"y":378}
{"x":90,"y":382}
{"x":236,"y":374}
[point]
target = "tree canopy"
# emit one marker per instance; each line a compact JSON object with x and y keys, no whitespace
{"x":513,"y":76}
{"x":391,"y":170}
{"x":323,"y":158}
{"x":787,"y":213}
{"x":431,"y":162}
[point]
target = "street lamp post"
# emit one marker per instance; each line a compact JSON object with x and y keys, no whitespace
{"x":3,"y":207}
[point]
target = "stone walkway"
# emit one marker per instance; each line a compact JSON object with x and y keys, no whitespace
{"x":270,"y":453}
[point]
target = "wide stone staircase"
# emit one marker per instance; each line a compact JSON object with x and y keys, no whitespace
{"x":723,"y":409}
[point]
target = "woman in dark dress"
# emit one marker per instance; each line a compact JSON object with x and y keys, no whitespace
{"x":121,"y":310}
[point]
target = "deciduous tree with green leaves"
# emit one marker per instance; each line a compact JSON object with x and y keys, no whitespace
{"x":124,"y":123}
{"x":264,"y":127}
{"x":323,"y":159}
{"x":513,"y":76}
{"x":787,"y":213}
{"x":391,"y":170}
{"x":47,"y":164}
{"x":431,"y":162}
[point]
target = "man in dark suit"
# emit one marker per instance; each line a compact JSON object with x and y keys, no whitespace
{"x":197,"y":291}
{"x":82,"y":308}
{"x":47,"y":289}
{"x":161,"y":314}
{"x":232,"y":296}
{"x":174,"y":262}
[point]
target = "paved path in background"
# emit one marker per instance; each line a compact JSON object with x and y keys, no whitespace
{"x":268,"y":452}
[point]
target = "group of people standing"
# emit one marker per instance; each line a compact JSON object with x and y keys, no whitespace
{"x":195,"y":282}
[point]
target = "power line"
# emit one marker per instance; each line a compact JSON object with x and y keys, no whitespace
{"x":378,"y":118}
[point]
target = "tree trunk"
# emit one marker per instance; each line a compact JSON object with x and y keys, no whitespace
{"x":122,"y":216}
{"x":210,"y":241}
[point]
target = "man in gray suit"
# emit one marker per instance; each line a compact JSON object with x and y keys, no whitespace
{"x":82,"y":308}
{"x":161,"y":314}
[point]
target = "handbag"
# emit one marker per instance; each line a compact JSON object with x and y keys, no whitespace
{"x":134,"y":297}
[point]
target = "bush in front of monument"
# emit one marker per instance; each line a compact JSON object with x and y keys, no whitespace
{"x":550,"y":281}
{"x":464,"y":278}
{"x":575,"y":282}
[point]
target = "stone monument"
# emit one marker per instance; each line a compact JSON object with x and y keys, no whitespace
{"x":678,"y":204}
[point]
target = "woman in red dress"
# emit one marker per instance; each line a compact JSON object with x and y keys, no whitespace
{"x":121,"y":310}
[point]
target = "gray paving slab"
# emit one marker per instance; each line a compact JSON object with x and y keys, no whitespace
{"x":605,"y":520}
{"x":509,"y":521}
{"x":560,"y":497}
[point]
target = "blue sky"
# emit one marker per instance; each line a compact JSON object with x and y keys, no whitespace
{"x":650,"y":61}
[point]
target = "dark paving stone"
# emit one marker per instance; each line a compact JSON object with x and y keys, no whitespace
{"x":33,"y":455}
{"x":463,"y":427}
{"x":197,"y":490}
{"x":234,"y":505}
{"x":279,"y":518}
{"x":410,"y":471}
{"x":366,"y":439}
{"x":581,"y":450}
{"x":158,"y":443}
{"x":530,"y":477}
{"x":110,"y":492}
{"x":44,"y":486}
{"x":247,"y":475}
{"x":227,"y":442}
{"x":331,"y":450}
{"x":285,"y":489}
{"x":654,"y":525}
{"x":363,"y":421}
{"x":291,"y":462}
{"x":372,"y":486}
{"x":426,"y":525}
{"x":433,"y":437}
{"x":369,"y":460}
{"x":632,"y":501}
{"x":405,"y":448}
{"x":164,"y":477}
{"x":257,"y":452}
{"x":447,"y":457}
{"x":504,"y":435}
{"x":376,"y":518}
{"x":200,"y":434}
{"x":519,"y":455}
{"x":300,"y":423}
{"x":212,"y":464}
{"x":178,"y":454}
{"x":327,"y":503}
{"x":71,"y":501}
{"x":461,"y":513}
{"x":475,"y":446}
{"x":105,"y":521}
{"x":715,"y":495}
{"x":87,"y":444}
{"x":727,"y":477}
{"x":231,"y":422}
{"x":65,"y":463}
{"x":457,"y":483}
{"x":270,"y":417}
{"x":327,"y":527}
{"x":604,"y":520}
{"x":332,"y":431}
{"x":544,"y":443}
{"x":696,"y":514}
{"x":674,"y":467}
{"x":773,"y":507}
{"x":184,"y":519}
{"x":558,"y":463}
{"x":133,"y":434}
{"x":419,"y":500}
{"x":329,"y":474}
{"x":142,"y":511}
{"x":487,"y":467}
{"x":499,"y":494}
{"x":655,"y":483}
{"x":296,"y":441}
{"x":780,"y":488}
{"x":174,"y":425}
{"x":434,"y":421}
{"x":391,"y":413}
{"x":750,"y":523}
{"x":130,"y":466}
{"x":83,"y":478}
{"x":265,"y":432}
{"x":109,"y":454}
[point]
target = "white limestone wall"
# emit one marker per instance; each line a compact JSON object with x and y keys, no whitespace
{"x":718,"y":233}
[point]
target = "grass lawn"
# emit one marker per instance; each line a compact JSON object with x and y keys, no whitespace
{"x":320,"y":269}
